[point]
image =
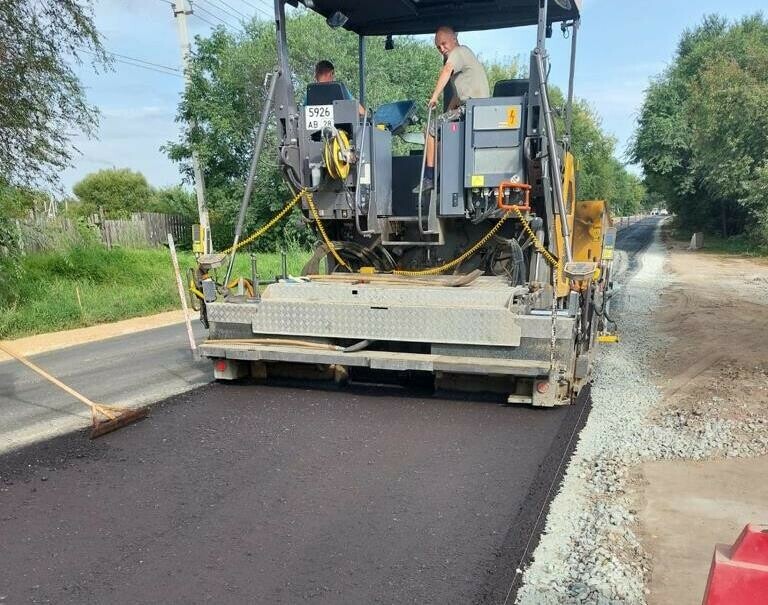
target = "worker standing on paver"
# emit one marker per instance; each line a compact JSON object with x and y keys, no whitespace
{"x":469,"y":81}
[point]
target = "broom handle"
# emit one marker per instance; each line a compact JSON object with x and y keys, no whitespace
{"x":48,"y":377}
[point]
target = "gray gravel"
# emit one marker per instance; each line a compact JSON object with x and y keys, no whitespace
{"x":589,"y":552}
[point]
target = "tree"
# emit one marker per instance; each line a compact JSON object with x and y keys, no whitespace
{"x":702,"y":129}
{"x":15,"y":203}
{"x":174,"y":200}
{"x":42,"y":102}
{"x":119,"y":191}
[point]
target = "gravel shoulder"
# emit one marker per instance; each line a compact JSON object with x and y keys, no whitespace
{"x":667,"y":392}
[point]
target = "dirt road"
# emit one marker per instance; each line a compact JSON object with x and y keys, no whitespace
{"x":714,"y":368}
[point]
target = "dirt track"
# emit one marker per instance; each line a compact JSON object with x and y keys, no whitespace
{"x":714,"y":367}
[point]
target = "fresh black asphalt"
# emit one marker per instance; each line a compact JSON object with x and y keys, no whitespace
{"x":245,"y":493}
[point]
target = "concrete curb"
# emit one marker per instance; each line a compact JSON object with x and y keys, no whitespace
{"x":42,"y":343}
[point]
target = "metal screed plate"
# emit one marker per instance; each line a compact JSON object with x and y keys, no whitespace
{"x":483,"y":314}
{"x":479,"y":325}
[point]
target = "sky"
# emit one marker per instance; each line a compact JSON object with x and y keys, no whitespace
{"x":623,"y":44}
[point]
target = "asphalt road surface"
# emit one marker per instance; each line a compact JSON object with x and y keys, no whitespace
{"x":131,"y":370}
{"x":240,"y":493}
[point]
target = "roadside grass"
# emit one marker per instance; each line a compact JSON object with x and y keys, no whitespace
{"x":737,"y":245}
{"x":111,"y":285}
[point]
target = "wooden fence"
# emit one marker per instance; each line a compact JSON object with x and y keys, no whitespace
{"x":142,"y":230}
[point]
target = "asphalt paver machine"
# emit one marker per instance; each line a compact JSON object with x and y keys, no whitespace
{"x":494,"y":279}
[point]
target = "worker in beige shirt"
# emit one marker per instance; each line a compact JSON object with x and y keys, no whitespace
{"x":469,"y":80}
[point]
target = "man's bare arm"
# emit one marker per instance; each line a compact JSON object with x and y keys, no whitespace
{"x":442,"y":82}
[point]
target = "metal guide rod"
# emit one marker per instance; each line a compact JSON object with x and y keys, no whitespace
{"x":180,"y":12}
{"x":552,"y":152}
{"x":361,"y":68}
{"x":569,"y":106}
{"x":272,"y":78}
{"x":360,"y":164}
{"x":182,"y":296}
{"x":421,"y":176}
{"x":541,"y":33}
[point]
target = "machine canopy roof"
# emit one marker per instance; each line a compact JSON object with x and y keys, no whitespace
{"x":396,"y":17}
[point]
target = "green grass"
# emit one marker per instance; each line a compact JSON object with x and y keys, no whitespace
{"x":737,"y":245}
{"x":112,"y":284}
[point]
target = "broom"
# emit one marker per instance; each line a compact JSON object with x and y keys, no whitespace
{"x":104,"y":418}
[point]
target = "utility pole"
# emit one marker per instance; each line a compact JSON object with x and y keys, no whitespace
{"x":182,"y":8}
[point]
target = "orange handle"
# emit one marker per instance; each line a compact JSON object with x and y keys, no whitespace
{"x":526,"y":189}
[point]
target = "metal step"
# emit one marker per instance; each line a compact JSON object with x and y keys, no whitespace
{"x":378,"y":360}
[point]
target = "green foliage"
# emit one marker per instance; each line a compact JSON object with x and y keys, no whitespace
{"x":15,"y":203}
{"x":119,"y":191}
{"x":509,"y":68}
{"x":600,"y":176}
{"x":113,"y":285}
{"x":702,"y":130}
{"x":174,"y":200}
{"x":42,"y":103}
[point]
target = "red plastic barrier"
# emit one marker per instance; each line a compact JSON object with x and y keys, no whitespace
{"x":739,"y":573}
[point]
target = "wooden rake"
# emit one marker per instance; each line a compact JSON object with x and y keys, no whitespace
{"x":105,"y":418}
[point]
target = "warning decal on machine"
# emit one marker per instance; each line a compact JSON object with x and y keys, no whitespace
{"x":513,"y":116}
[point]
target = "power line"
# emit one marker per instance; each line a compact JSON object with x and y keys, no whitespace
{"x":232,"y":8}
{"x":110,"y":52}
{"x":266,"y":10}
{"x":213,"y":25}
{"x":147,"y":67}
{"x":168,"y":71}
{"x":215,"y":16}
{"x":222,"y":10}
{"x":203,"y":19}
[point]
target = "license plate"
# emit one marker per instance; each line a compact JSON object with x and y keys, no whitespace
{"x":317,"y":117}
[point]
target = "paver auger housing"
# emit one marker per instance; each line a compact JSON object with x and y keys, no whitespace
{"x":493,"y":279}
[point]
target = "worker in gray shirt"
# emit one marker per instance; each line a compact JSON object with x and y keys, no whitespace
{"x":469,"y":80}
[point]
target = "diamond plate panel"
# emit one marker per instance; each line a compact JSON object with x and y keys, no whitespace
{"x":489,"y":292}
{"x":242,"y":313}
{"x":473,"y":325}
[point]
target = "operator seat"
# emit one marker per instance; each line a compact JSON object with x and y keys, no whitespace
{"x":511,"y":88}
{"x":325,"y":93}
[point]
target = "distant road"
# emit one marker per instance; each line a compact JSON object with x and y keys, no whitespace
{"x":131,"y":370}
